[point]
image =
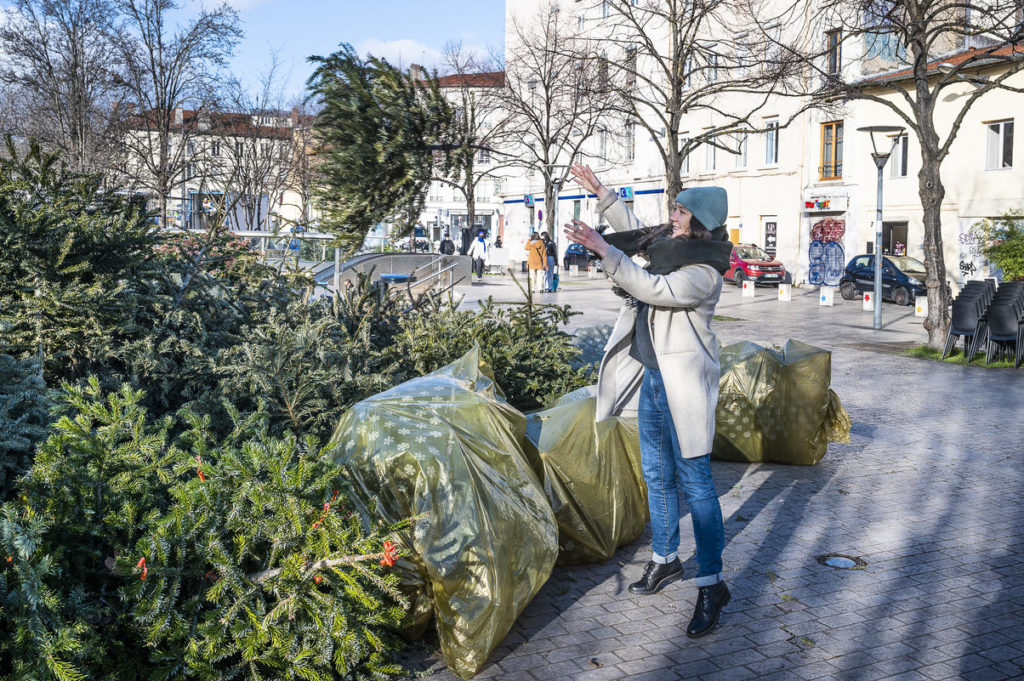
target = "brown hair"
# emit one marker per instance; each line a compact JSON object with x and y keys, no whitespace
{"x":697,"y":231}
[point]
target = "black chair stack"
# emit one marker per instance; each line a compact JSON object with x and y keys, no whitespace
{"x":969,"y":317}
{"x":1005,"y":323}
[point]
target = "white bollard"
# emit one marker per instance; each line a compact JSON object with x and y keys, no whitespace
{"x":828,"y":296}
{"x":785,"y":292}
{"x":869,"y":301}
{"x":921,"y":306}
{"x":748,"y":289}
{"x":574,"y":270}
{"x":591,"y":272}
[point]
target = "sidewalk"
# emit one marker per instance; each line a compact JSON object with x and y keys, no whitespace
{"x":928,"y":493}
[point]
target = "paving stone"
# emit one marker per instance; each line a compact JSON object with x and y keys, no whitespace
{"x":917,"y":493}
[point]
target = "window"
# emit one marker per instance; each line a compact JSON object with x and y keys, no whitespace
{"x":239,"y":148}
{"x":190,"y":147}
{"x":265,"y":149}
{"x":741,"y":147}
{"x":604,"y":9}
{"x":687,"y":70}
{"x":833,"y":52}
{"x":709,"y":156}
{"x":831,"y":150}
{"x":713,"y":68}
{"x":630,"y":141}
{"x":581,"y":23}
{"x":630,"y":64}
{"x":499,"y":186}
{"x":602,"y":143}
{"x":685,"y":165}
{"x":215,"y":149}
{"x":898,"y":160}
{"x":483,"y":156}
{"x":771,"y":141}
{"x":603,"y":79}
{"x":999,"y":145}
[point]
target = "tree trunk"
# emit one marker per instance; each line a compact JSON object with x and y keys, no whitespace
{"x":932,"y":193}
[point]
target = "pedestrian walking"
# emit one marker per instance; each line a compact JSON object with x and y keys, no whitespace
{"x":447,"y":245}
{"x":478,"y":253}
{"x":549,"y":273}
{"x":536,"y":261}
{"x":662,"y":360}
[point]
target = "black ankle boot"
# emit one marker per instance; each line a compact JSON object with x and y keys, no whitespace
{"x":656,"y":575}
{"x":710,"y":601}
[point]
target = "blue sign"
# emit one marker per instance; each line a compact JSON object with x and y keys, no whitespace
{"x":626,"y":193}
{"x":528,"y":199}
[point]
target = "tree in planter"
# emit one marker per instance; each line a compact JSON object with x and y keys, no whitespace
{"x":923,"y":62}
{"x":1002,"y":243}
{"x":378,"y":132}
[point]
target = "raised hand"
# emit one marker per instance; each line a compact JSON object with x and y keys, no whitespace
{"x":586,"y":178}
{"x":578,"y":232}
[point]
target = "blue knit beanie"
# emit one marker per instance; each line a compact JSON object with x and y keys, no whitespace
{"x":710,"y":205}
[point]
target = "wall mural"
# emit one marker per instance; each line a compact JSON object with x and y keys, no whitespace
{"x":826,"y":255}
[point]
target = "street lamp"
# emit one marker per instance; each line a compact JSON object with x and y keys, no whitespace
{"x":880,"y":158}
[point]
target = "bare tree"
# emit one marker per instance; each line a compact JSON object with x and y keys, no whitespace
{"x":57,"y":56}
{"x":555,"y":97}
{"x":676,"y":63}
{"x":258,"y":148}
{"x":163,"y":70}
{"x":475,"y":87}
{"x":915,"y":58}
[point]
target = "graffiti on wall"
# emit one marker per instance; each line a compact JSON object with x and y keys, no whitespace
{"x":826,"y":255}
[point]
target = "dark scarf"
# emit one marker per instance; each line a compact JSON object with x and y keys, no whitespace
{"x":667,"y":254}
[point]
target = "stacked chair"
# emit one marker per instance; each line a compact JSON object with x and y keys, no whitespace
{"x":1005,"y":323}
{"x":969,"y":317}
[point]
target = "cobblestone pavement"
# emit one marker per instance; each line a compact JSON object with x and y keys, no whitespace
{"x":928,"y":493}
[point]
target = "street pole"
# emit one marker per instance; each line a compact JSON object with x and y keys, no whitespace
{"x":880,"y":160}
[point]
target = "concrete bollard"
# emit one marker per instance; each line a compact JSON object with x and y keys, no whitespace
{"x":869,"y":301}
{"x":748,"y":289}
{"x":785,"y":293}
{"x":591,"y":272}
{"x":827,"y":296}
{"x":574,"y":270}
{"x":921,"y":306}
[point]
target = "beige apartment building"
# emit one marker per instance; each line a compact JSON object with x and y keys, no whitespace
{"x":254,"y":169}
{"x":803,"y":187}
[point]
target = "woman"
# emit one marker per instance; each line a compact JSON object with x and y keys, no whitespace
{"x":663,"y":354}
{"x":549,"y":273}
{"x":536,"y":261}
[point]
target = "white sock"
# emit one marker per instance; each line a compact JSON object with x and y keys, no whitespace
{"x":664,"y":559}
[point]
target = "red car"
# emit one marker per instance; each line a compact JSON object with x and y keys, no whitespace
{"x":749,"y":262}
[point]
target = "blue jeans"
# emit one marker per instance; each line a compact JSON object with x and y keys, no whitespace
{"x":663,"y":465}
{"x":549,"y":277}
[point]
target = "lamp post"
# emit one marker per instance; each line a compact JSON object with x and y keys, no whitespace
{"x":880,"y":158}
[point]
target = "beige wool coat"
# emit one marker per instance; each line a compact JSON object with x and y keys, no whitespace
{"x":682,"y":305}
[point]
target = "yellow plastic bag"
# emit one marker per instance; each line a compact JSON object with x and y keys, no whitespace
{"x":591,"y":476}
{"x":777,"y":405}
{"x":446,"y":448}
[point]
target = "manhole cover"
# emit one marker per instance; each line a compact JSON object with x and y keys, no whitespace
{"x":842,"y":562}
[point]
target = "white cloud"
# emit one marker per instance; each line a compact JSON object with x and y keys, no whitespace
{"x":401,"y":53}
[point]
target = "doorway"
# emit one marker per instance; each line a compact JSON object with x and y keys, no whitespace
{"x":894,"y":238}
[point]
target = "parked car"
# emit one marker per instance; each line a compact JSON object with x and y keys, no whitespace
{"x":902,"y":278}
{"x":576,"y":254}
{"x":750,"y":262}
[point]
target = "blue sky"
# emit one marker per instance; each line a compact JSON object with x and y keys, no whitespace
{"x":413,"y":31}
